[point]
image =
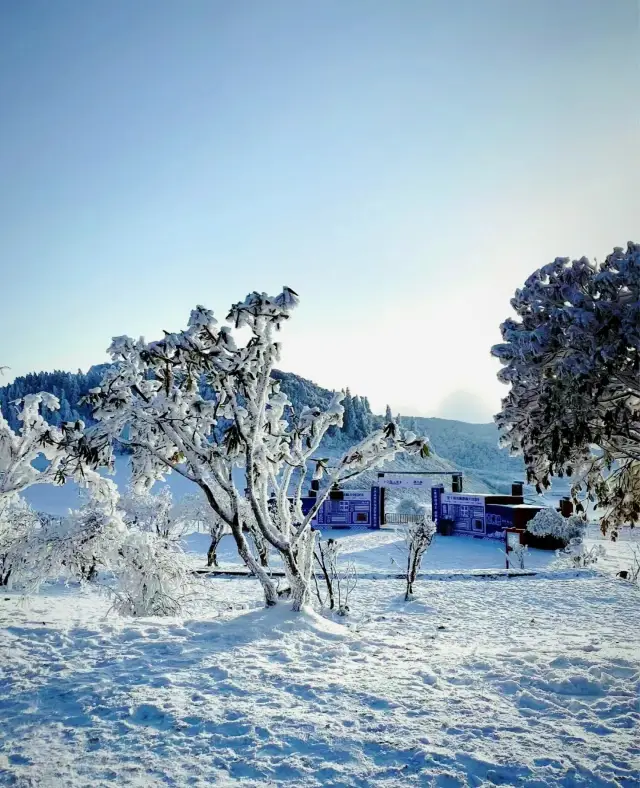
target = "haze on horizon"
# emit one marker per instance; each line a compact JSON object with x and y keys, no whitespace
{"x":403,"y":166}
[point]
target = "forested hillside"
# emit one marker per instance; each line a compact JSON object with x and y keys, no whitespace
{"x":456,"y":444}
{"x":70,"y":387}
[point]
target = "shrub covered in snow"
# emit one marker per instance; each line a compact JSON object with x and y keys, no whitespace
{"x":577,"y":554}
{"x":76,"y":546}
{"x":17,"y":522}
{"x":139,"y":565}
{"x":338,"y":581}
{"x":549,"y":522}
{"x":153,"y":576}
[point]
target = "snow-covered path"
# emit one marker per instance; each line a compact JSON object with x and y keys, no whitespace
{"x":529,"y":682}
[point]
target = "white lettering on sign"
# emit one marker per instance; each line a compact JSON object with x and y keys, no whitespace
{"x":357,"y":495}
{"x":463,"y":500}
{"x":407,"y":481}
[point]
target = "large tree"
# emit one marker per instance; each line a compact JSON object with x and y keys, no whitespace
{"x":572,"y":359}
{"x":245,"y":447}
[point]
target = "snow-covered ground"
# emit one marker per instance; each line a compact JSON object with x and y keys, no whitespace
{"x":382,"y":551}
{"x":526,"y":681}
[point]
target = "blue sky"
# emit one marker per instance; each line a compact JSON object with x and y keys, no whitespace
{"x":402,"y":165}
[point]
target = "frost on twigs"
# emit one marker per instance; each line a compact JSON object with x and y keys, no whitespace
{"x":151,"y":401}
{"x":75,"y":547}
{"x":572,"y":360}
{"x":154,"y":577}
{"x":338,"y":581}
{"x":62,"y":452}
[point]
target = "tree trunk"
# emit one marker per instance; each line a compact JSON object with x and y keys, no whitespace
{"x":298,"y":568}
{"x":212,"y":554}
{"x":268,"y":586}
{"x":262,"y":548}
{"x":409,"y":592}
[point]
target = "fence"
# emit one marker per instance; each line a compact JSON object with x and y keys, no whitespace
{"x":393,"y":518}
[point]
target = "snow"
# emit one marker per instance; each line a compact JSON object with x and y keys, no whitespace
{"x":528,"y":682}
{"x":533,"y":681}
{"x":382,"y":551}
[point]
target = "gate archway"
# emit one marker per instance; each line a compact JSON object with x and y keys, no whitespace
{"x":409,"y":480}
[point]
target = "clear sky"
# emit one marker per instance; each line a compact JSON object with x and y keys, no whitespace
{"x":402,"y":164}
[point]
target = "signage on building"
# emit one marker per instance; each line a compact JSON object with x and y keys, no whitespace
{"x":412,"y":482}
{"x":356,"y":508}
{"x":463,"y":500}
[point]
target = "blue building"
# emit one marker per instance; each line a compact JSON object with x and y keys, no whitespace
{"x":483,"y":514}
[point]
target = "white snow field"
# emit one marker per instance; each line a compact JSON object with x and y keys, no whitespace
{"x":528,"y":681}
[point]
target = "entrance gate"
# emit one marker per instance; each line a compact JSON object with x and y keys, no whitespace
{"x":409,"y":480}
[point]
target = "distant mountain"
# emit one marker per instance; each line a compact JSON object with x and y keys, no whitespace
{"x":456,"y":445}
{"x":68,"y":387}
{"x":473,"y":448}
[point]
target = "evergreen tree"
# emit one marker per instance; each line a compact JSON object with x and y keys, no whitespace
{"x":349,"y":427}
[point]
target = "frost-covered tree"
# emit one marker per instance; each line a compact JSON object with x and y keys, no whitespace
{"x":157,"y":513}
{"x":546,"y":522}
{"x":349,"y":425}
{"x":154,"y":577}
{"x":37,"y":453}
{"x":417,"y":538}
{"x":410,"y":505}
{"x":150,"y":512}
{"x":572,"y":359}
{"x":150,"y":400}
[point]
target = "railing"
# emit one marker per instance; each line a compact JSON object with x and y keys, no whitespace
{"x":393,"y":518}
{"x":625,"y":533}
